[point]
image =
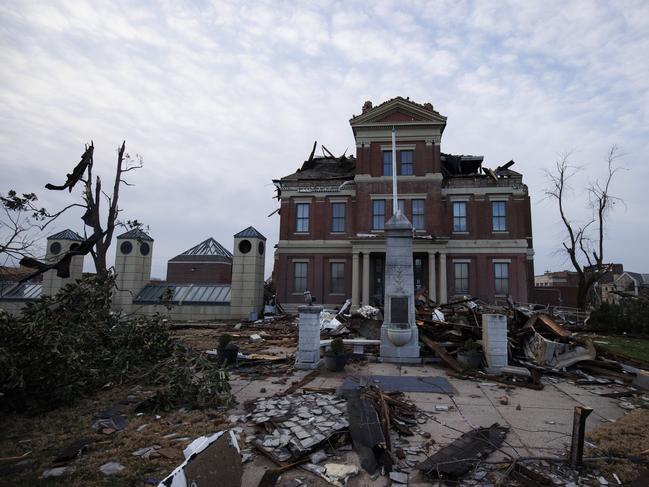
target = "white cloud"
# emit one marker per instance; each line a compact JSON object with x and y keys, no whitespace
{"x":221,"y":98}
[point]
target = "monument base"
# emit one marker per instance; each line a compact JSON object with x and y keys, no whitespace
{"x":307,"y":365}
{"x":404,"y":354}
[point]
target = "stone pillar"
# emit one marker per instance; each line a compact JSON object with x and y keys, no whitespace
{"x":443,"y":297}
{"x":247,"y":287}
{"x":58,"y":245}
{"x":366,"y":278}
{"x":308,"y":352}
{"x":432,"y":276}
{"x":355,"y":284}
{"x":133,"y":257}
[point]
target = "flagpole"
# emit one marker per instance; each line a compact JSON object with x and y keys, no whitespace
{"x":395,"y":204}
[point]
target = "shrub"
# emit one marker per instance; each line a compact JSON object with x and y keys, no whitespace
{"x":224,"y":340}
{"x":69,"y":345}
{"x":337,"y":346}
{"x":631,"y":315}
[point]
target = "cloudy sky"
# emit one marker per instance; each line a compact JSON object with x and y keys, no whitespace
{"x":221,"y":97}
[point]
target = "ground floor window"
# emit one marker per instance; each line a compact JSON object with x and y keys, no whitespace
{"x":337,"y":277}
{"x":419,"y":273}
{"x":300,"y":270}
{"x":501,"y":271}
{"x":461,"y":274}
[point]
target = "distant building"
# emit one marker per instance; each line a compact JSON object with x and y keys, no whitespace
{"x":207,"y":262}
{"x":626,"y":284}
{"x":472,"y":225}
{"x":557,"y":279}
{"x":205,"y":282}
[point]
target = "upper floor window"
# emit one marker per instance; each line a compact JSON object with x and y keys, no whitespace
{"x":302,"y":217}
{"x":499,"y":216}
{"x":461,"y":271}
{"x":418,"y":214}
{"x":378,"y":214}
{"x":338,"y":217}
{"x":337,"y":277}
{"x":406,"y":163}
{"x":501,"y":272}
{"x":300,"y":274}
{"x":459,"y":216}
{"x":387,"y":163}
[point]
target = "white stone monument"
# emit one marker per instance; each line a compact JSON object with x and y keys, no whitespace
{"x":399,"y":333}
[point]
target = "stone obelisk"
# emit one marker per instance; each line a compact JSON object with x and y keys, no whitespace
{"x":399,"y":334}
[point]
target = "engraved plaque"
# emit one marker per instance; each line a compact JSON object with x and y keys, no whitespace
{"x":399,"y":310}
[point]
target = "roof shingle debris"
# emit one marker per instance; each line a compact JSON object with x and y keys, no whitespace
{"x":301,"y":421}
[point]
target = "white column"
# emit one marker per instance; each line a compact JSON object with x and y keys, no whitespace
{"x":355,"y":284}
{"x":443,"y":297}
{"x":366,"y":278}
{"x":432,"y":276}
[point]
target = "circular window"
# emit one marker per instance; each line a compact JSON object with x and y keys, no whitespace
{"x":55,"y":248}
{"x":126,"y":247}
{"x":261,"y":248}
{"x":245,"y":246}
{"x":145,"y":248}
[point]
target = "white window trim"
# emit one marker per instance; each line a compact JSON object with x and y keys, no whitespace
{"x":501,"y":261}
{"x":459,"y":198}
{"x":400,"y":147}
{"x":461,"y":261}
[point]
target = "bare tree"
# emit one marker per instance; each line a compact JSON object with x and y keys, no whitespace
{"x":585,"y":251}
{"x":92,"y":198}
{"x":21,"y":223}
{"x":21,"y":230}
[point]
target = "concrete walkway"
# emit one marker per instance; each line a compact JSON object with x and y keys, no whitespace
{"x":540,"y":422}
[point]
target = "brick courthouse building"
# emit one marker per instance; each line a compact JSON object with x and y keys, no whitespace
{"x":472,"y":225}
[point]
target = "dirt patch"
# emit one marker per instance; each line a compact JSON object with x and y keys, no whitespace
{"x":46,"y":435}
{"x":623,"y":438}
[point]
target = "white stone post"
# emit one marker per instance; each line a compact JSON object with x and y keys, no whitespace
{"x":308,"y":353}
{"x":494,"y":340}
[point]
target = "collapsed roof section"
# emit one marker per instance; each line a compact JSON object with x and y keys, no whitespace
{"x":463,"y":170}
{"x":319,"y":173}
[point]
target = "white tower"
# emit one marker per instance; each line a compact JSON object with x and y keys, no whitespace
{"x":247,"y":291}
{"x":57,"y":246}
{"x":132,"y":265}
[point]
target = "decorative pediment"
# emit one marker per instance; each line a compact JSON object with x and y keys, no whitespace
{"x":398,"y":110}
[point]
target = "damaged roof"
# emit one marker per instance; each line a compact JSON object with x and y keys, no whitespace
{"x":325,"y":167}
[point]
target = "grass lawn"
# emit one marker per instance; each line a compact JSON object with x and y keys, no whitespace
{"x":636,"y":348}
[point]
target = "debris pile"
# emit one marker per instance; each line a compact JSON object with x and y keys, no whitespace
{"x":297,"y":424}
